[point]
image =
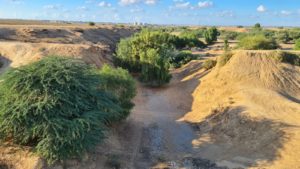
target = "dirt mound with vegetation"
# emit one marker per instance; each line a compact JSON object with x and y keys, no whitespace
{"x":248,"y":112}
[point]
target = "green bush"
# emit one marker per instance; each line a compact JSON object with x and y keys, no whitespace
{"x":297,"y":44}
{"x":211,"y":35}
{"x":181,"y":58}
{"x":92,"y":23}
{"x":148,"y":53}
{"x":286,"y":57}
{"x":230,"y":35}
{"x":223,"y":59}
{"x":1,"y":64}
{"x":257,"y":42}
{"x":121,"y":84}
{"x":155,"y":66}
{"x":191,"y":41}
{"x":294,"y":34}
{"x":257,"y":26}
{"x":56,"y":106}
{"x":198,"y":33}
{"x":226,"y":45}
{"x":283,"y":36}
{"x":209,"y":64}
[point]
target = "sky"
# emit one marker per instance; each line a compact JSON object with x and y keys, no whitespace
{"x":179,"y":12}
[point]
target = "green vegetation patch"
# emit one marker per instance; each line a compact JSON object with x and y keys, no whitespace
{"x":297,"y":44}
{"x":286,"y":57}
{"x":60,"y":106}
{"x":209,"y":64}
{"x":147,"y":53}
{"x":257,"y":42}
{"x":183,"y":57}
{"x":211,"y":35}
{"x":121,"y":84}
{"x":223,"y":59}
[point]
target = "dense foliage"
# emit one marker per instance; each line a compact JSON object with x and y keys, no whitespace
{"x":147,"y":53}
{"x":297,"y":44}
{"x":211,"y":35}
{"x":230,"y":35}
{"x":57,"y":106}
{"x":209,"y":64}
{"x":121,"y":84}
{"x":282,"y":36}
{"x":257,"y":42}
{"x":182,"y":58}
{"x":92,"y":23}
{"x":190,"y":41}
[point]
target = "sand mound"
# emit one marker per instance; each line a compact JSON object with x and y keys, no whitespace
{"x":19,"y":53}
{"x":65,"y":35}
{"x":23,"y":44}
{"x":248,"y":113}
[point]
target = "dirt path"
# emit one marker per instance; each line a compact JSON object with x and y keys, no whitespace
{"x":163,"y":140}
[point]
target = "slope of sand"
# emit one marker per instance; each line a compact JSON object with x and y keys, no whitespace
{"x":95,"y":45}
{"x":248,"y":113}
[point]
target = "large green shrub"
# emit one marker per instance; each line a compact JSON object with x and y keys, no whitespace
{"x":294,"y":34}
{"x":191,"y":41}
{"x":230,"y":35}
{"x":257,"y":42}
{"x":181,"y":58}
{"x":211,"y":35}
{"x":121,"y":84}
{"x":155,"y":66}
{"x":297,"y":44}
{"x":92,"y":24}
{"x":283,"y":36}
{"x":257,"y":26}
{"x":148,"y":53}
{"x":186,"y":41}
{"x":56,"y":106}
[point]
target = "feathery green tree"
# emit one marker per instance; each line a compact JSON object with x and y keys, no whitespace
{"x":56,"y":106}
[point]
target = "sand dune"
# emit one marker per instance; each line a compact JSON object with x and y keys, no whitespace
{"x":248,"y":113}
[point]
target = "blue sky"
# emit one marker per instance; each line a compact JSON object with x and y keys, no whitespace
{"x":185,"y":12}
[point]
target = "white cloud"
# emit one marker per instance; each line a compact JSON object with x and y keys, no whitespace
{"x":104,"y":4}
{"x":130,"y":2}
{"x":226,"y":13}
{"x":205,"y":4}
{"x":150,"y":2}
{"x":261,"y":8}
{"x":182,"y":5}
{"x":286,"y":13}
{"x":52,"y":6}
{"x":84,"y":8}
{"x":137,"y":10}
